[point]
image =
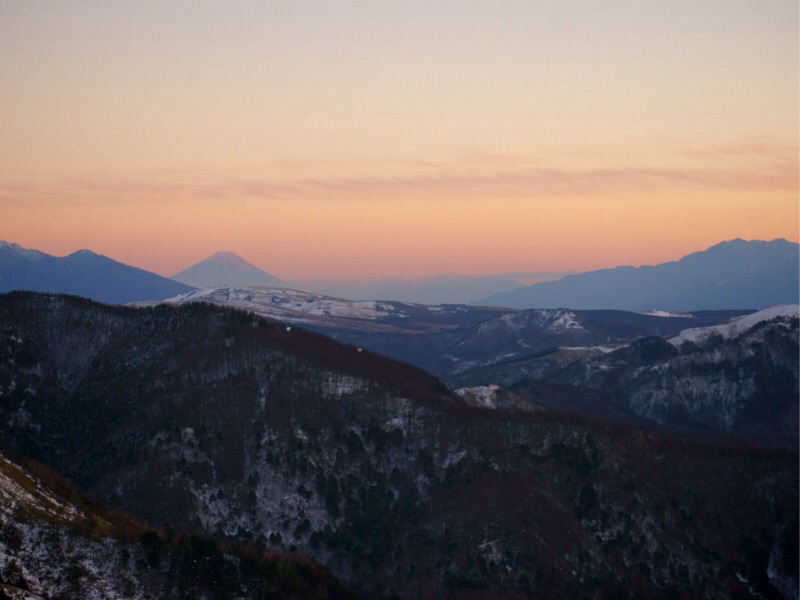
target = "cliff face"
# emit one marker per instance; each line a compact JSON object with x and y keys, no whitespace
{"x":217,"y":421}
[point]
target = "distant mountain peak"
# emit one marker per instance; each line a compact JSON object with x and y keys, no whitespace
{"x":227,"y":255}
{"x":733,"y":274}
{"x":230,"y":259}
{"x":82,"y":273}
{"x":226,"y":268}
{"x":10,"y":249}
{"x":4,"y":245}
{"x":742,"y":243}
{"x":84,"y":252}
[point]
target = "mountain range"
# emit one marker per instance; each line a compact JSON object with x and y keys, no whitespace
{"x":737,"y":274}
{"x":731,"y":275}
{"x":220,"y":422}
{"x":578,"y":350}
{"x":82,"y":273}
{"x":450,"y":338}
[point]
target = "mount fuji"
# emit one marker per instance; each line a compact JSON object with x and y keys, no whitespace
{"x":226,"y":268}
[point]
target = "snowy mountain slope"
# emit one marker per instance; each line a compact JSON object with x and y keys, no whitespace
{"x":734,"y":327}
{"x":226,"y":268}
{"x":744,"y":381}
{"x":52,"y":547}
{"x":326,"y":313}
{"x":739,"y":377}
{"x":519,"y":335}
{"x":58,"y":542}
{"x":445,"y":339}
{"x":293,"y":305}
{"x":21,"y":493}
{"x":512,"y":335}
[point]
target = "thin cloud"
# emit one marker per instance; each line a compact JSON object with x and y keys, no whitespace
{"x":533,"y":183}
{"x":754,"y":148}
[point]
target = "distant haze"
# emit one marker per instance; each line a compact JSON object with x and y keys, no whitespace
{"x":228,"y":268}
{"x":440,"y":289}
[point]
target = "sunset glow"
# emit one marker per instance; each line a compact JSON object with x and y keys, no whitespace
{"x":350,"y":139}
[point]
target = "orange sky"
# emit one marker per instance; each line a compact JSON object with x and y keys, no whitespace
{"x":352,"y":139}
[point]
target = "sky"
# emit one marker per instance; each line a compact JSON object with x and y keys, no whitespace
{"x":322,"y":139}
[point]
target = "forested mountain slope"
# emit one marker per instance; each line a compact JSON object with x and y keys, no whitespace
{"x":220,"y":422}
{"x":740,"y":378}
{"x":56,"y":541}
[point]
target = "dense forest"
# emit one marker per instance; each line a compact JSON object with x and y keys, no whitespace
{"x":220,"y":423}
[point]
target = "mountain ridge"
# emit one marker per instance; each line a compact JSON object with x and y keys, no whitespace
{"x":733,"y":274}
{"x":81,"y":273}
{"x":444,"y":338}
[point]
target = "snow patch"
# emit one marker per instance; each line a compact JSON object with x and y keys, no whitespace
{"x":667,"y":314}
{"x":483,"y":395}
{"x":603,"y":349}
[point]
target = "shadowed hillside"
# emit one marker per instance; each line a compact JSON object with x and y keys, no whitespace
{"x":220,"y":422}
{"x":58,"y":541}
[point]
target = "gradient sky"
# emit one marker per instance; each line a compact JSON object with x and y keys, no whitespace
{"x":323,"y":139}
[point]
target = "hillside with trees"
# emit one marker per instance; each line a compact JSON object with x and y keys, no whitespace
{"x":221,"y":423}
